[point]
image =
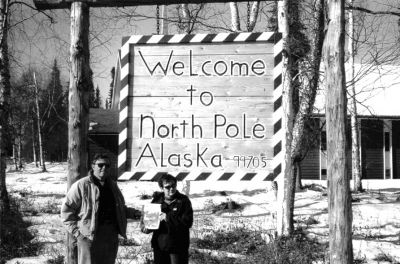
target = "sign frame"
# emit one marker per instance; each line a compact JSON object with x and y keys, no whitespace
{"x":198,"y":174}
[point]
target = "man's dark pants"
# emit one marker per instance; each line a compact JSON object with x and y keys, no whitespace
{"x":102,"y":250}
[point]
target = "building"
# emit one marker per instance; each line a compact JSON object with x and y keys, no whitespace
{"x":377,"y":93}
{"x":103,"y":135}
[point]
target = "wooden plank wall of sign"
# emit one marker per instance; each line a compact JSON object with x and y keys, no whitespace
{"x":146,"y":102}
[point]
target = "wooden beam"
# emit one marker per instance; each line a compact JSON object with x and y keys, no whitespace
{"x":59,"y":4}
{"x":78,"y":111}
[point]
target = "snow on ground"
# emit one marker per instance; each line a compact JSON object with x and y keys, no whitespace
{"x":376,"y":214}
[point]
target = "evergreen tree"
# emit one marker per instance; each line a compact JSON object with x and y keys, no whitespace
{"x":92,"y":93}
{"x":97,"y":99}
{"x":110,"y":91}
{"x":54,"y":121}
{"x":21,"y":102}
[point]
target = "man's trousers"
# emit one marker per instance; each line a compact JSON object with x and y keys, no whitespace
{"x":102,"y":250}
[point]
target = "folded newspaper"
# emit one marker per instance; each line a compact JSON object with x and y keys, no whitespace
{"x":151,"y":216}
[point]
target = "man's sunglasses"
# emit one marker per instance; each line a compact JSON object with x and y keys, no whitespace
{"x":168,"y":187}
{"x":101,"y":165}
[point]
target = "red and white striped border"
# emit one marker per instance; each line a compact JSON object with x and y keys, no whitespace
{"x":197,"y":174}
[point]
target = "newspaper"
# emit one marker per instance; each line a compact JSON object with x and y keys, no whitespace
{"x":151,"y":216}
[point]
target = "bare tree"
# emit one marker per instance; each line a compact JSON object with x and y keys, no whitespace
{"x":235,"y":18}
{"x":339,"y":198}
{"x":5,"y":88}
{"x":286,"y":194}
{"x":39,"y":129}
{"x":355,"y":138}
{"x":308,"y":72}
{"x":34,"y":145}
{"x":302,"y":73}
{"x":20,"y":114}
{"x":373,"y":46}
{"x":4,"y":107}
{"x":186,"y":18}
{"x":253,"y":15}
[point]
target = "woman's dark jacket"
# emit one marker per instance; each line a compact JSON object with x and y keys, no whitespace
{"x":173,"y":234}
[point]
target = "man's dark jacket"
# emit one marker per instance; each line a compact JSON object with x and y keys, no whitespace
{"x":173,"y":234}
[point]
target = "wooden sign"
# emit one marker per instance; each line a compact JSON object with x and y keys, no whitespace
{"x":204,"y":106}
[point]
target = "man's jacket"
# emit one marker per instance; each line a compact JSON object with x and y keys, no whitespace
{"x":173,"y":234}
{"x":79,"y":211}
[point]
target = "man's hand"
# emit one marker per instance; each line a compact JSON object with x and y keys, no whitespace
{"x":132,"y":213}
{"x":137,"y":214}
{"x":82,"y":239}
{"x":144,"y":229}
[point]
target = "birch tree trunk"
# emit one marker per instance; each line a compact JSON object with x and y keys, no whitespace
{"x":355,"y":137}
{"x":15,"y":158}
{"x":339,"y":199}
{"x":355,"y":143}
{"x":286,"y":187}
{"x":78,"y":123}
{"x":41,"y":154}
{"x":4,"y":108}
{"x":235,"y":19}
{"x":186,"y":17}
{"x":164,"y":20}
{"x":19,"y":150}
{"x":34,"y":145}
{"x":254,"y":15}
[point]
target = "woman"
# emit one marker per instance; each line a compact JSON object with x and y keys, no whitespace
{"x":170,"y":242}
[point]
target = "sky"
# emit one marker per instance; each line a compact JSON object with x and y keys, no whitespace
{"x":37,"y":41}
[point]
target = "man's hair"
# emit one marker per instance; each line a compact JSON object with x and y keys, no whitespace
{"x":98,"y":156}
{"x":166,"y":178}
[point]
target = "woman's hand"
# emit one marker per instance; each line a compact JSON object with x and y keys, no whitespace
{"x":163,"y":216}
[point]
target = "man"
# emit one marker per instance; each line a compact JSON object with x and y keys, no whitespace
{"x":94,"y":212}
{"x":170,"y":241}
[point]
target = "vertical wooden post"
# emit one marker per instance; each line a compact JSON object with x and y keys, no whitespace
{"x":339,"y":198}
{"x":78,"y":123}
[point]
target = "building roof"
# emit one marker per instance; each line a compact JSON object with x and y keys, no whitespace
{"x":103,"y":121}
{"x":377,"y":90}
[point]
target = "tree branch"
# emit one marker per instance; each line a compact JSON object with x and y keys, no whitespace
{"x":34,"y":8}
{"x":369,"y":11}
